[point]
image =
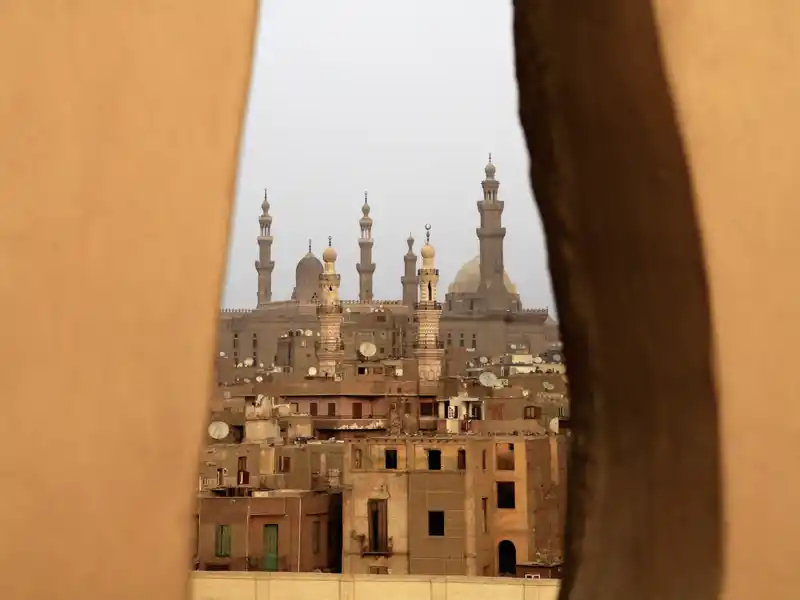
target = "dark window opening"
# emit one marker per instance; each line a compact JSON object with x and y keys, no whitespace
{"x":533,"y":412}
{"x":426,"y":409}
{"x":506,"y":498}
{"x":483,"y":460}
{"x":357,"y":458}
{"x":485,"y":513}
{"x":436,"y":522}
{"x":474,"y":341}
{"x":284,"y":464}
{"x":378,"y":570}
{"x":357,"y":410}
{"x":295,"y":407}
{"x":434,"y":460}
{"x":390,"y":459}
{"x":378,"y":526}
{"x":315,"y":537}
{"x":312,"y":409}
{"x":222,"y":541}
{"x":462,"y":460}
{"x":331,"y":409}
{"x":242,"y":463}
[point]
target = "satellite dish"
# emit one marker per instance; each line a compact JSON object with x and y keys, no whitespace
{"x":537,"y":360}
{"x":483,"y":360}
{"x":309,"y":333}
{"x":488,"y":379}
{"x":318,"y":334}
{"x":525,"y":393}
{"x":219,"y":430}
{"x":557,"y":357}
{"x":554,"y":425}
{"x":260,"y":365}
{"x":248,"y":362}
{"x":259,"y":379}
{"x":367,"y":349}
{"x":240,"y":365}
{"x":246,"y":380}
{"x":222,"y":354}
{"x":312,"y":371}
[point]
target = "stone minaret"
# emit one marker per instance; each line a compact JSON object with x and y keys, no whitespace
{"x":365,"y":267}
{"x":265,"y":265}
{"x":428,"y":350}
{"x":491,"y":234}
{"x":409,"y":278}
{"x":329,"y":312}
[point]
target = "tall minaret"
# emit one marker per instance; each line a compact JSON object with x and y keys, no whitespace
{"x":491,"y":234}
{"x":428,"y":350}
{"x":409,"y":278}
{"x":265,"y":264}
{"x":329,"y":312}
{"x":365,"y":267}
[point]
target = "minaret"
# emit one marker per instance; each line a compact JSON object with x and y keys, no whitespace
{"x":329,"y":312}
{"x":409,"y":278}
{"x":265,"y":264}
{"x":428,"y":350}
{"x":491,"y":234}
{"x":365,"y":267}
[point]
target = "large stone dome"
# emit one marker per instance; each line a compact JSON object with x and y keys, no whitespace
{"x":468,"y":279}
{"x":306,"y":280}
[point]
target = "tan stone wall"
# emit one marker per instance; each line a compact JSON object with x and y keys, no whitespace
{"x":283,"y":586}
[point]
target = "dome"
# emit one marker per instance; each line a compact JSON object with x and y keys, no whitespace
{"x":468,"y":279}
{"x":308,"y":266}
{"x":329,"y":255}
{"x":306,"y":283}
{"x":427,"y":251}
{"x":490,"y":170}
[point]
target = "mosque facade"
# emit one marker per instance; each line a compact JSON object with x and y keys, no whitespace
{"x":481,"y":311}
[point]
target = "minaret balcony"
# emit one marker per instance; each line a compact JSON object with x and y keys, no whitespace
{"x":422,"y":272}
{"x":330,"y":346}
{"x":427,"y":305}
{"x":429,"y":345}
{"x":329,"y":309}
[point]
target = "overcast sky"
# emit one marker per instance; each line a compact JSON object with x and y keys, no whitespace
{"x":403,"y":99}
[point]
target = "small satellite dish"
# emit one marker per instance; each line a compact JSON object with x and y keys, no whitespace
{"x":554,"y":425}
{"x":260,"y":365}
{"x":488,"y":379}
{"x":525,"y":393}
{"x":537,"y":360}
{"x":513,"y":346}
{"x":346,"y":310}
{"x":240,"y":365}
{"x":248,"y":362}
{"x":222,"y":354}
{"x":219,"y":430}
{"x":259,"y":379}
{"x":318,"y":334}
{"x":309,"y":333}
{"x":367,"y":349}
{"x":312,"y":371}
{"x":557,"y":357}
{"x":246,"y":380}
{"x":483,"y":360}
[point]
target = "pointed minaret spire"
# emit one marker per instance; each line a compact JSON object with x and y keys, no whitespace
{"x":329,"y":313}
{"x":428,"y":349}
{"x":494,"y":295}
{"x":265,"y":265}
{"x":409,"y":279}
{"x":365,"y":266}
{"x":309,"y":245}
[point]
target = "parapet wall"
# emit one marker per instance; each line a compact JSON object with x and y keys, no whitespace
{"x":296,"y":586}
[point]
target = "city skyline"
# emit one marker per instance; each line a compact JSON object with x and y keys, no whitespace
{"x":344,"y":109}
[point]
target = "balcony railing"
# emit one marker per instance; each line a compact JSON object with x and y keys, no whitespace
{"x":427,"y":305}
{"x":428,"y":272}
{"x":329,"y":309}
{"x":330,"y":347}
{"x":437,"y":345}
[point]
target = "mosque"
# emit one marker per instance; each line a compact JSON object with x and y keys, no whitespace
{"x":482,"y":313}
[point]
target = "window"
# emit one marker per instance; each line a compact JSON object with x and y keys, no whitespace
{"x":378,"y":570}
{"x":436,"y":522}
{"x":235,"y":341}
{"x":315,"y":529}
{"x":483,"y":460}
{"x":284,"y":464}
{"x":357,"y":410}
{"x":378,"y":526}
{"x":357,"y":458}
{"x":220,"y":477}
{"x":295,"y":407}
{"x":462,"y":459}
{"x":426,"y":409}
{"x":461,"y":341}
{"x":485,"y":513}
{"x":331,"y":409}
{"x":242,"y":466}
{"x":390,"y":459}
{"x":533,"y":412}
{"x":434,"y":460}
{"x":474,"y":341}
{"x":222,"y":541}
{"x":449,"y":339}
{"x":382,"y":350}
{"x":312,"y":409}
{"x":381,"y":318}
{"x":505,"y":457}
{"x":505,"y":494}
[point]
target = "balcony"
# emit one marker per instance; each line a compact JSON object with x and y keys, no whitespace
{"x":436,"y":345}
{"x":427,"y":305}
{"x":329,"y":347}
{"x":350,"y":424}
{"x":428,"y":272}
{"x":329,"y":309}
{"x":277,"y":564}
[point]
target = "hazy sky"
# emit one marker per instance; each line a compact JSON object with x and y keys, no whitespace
{"x":403,"y":99}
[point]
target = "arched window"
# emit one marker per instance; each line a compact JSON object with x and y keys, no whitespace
{"x":506,"y":558}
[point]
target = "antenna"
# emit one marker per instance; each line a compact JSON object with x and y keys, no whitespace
{"x":488,"y":379}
